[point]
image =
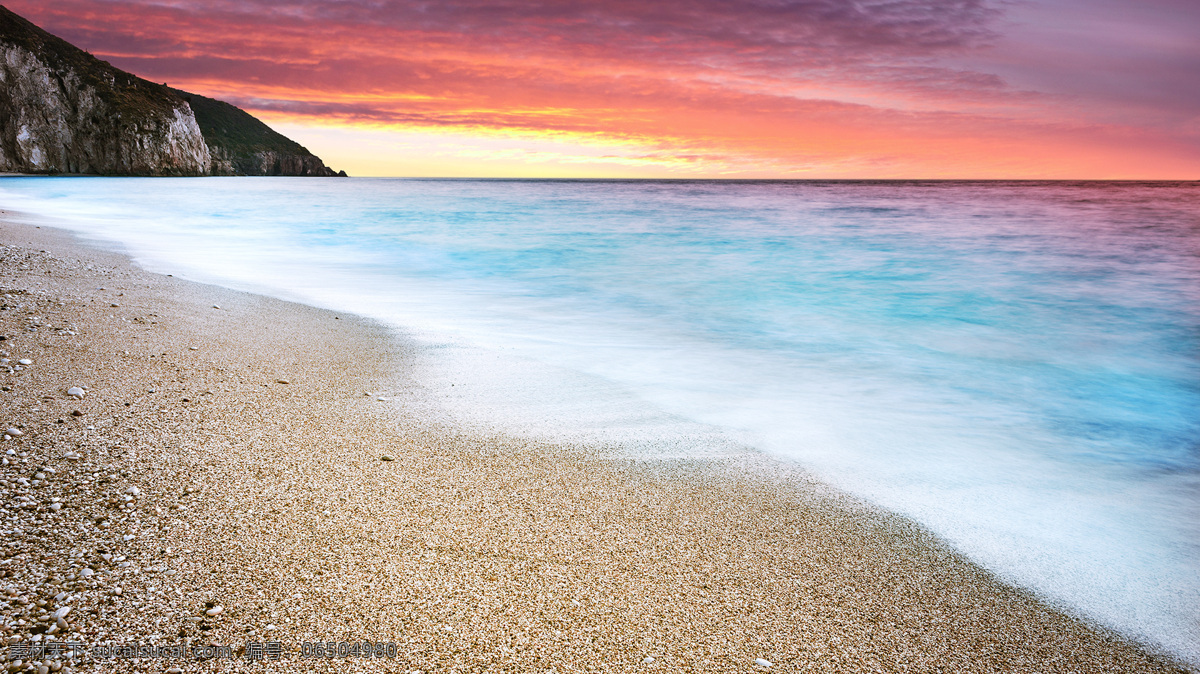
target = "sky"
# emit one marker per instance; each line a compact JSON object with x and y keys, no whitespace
{"x":1074,"y":89}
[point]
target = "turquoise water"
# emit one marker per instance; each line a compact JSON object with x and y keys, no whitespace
{"x":1015,"y":365}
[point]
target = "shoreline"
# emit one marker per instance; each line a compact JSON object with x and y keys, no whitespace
{"x":467,"y":551}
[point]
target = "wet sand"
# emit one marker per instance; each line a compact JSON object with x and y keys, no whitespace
{"x":230,"y":453}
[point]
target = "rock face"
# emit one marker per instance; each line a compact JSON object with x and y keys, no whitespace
{"x":64,"y":111}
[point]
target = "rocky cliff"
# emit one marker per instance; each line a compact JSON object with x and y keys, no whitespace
{"x":64,"y":111}
{"x":240,"y":144}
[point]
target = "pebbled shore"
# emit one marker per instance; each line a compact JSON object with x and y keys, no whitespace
{"x":224,"y":456}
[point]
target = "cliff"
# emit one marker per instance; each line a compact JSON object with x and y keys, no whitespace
{"x":64,"y":111}
{"x":240,"y":144}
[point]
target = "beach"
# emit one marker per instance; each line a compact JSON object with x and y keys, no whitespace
{"x":273,"y":461}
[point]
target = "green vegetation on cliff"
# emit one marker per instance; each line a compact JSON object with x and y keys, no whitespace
{"x":236,"y":131}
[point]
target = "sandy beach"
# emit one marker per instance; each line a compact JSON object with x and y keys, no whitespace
{"x":241,"y":471}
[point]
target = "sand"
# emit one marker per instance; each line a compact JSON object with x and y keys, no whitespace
{"x":240,"y":441}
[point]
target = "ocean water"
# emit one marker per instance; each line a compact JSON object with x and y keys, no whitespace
{"x":1014,"y":365}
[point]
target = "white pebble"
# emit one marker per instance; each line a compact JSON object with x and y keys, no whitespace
{"x":56,"y":506}
{"x":763,"y":663}
{"x":127,"y":537}
{"x":216,"y":610}
{"x":649,"y":659}
{"x":62,"y":612}
{"x":13,"y":432}
{"x":133,"y":490}
{"x":25,"y":361}
{"x":76,"y":392}
{"x":86,"y":573}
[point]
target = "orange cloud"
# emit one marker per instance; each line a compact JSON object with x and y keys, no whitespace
{"x":807,"y":88}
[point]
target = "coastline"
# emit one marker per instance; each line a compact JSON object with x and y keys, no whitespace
{"x":466,"y":551}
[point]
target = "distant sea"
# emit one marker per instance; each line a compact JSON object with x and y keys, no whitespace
{"x":1014,"y":365}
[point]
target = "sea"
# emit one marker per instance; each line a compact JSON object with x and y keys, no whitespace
{"x":1014,"y":365}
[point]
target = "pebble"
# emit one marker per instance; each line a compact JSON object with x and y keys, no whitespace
{"x":86,"y":573}
{"x":649,"y":659}
{"x":56,"y":506}
{"x":216,"y":610}
{"x":76,"y":392}
{"x":14,"y":432}
{"x":62,"y":612}
{"x":133,"y":490}
{"x":763,"y":663}
{"x":25,"y":361}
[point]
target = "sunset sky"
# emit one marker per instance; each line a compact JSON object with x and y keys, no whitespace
{"x":685,"y":88}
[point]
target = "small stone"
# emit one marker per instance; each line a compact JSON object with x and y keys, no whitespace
{"x":62,"y":612}
{"x":14,"y":432}
{"x":216,"y":306}
{"x":134,"y":491}
{"x":76,"y":413}
{"x":56,"y":507}
{"x":86,"y":573}
{"x":282,"y":381}
{"x":193,"y":348}
{"x":25,"y":361}
{"x":763,"y":663}
{"x":214,"y":611}
{"x":386,"y":458}
{"x":128,"y":537}
{"x":114,"y":304}
{"x":649,"y":659}
{"x":76,"y":392}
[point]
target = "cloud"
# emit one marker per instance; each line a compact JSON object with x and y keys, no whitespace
{"x":873,"y":80}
